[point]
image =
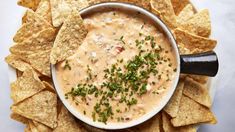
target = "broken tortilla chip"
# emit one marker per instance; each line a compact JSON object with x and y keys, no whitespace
{"x":164,"y":9}
{"x":26,"y":86}
{"x":172,"y":106}
{"x":179,"y":5}
{"x":67,"y":122}
{"x":31,"y":4}
{"x":199,"y":24}
{"x":197,"y":92}
{"x":194,"y":43}
{"x":185,"y":14}
{"x":40,"y":107}
{"x":44,"y":10}
{"x":167,"y":126}
{"x":190,"y":112}
{"x":61,"y":9}
{"x":19,"y":118}
{"x":69,"y":38}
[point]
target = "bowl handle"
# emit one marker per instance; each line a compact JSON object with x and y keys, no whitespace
{"x":200,"y":64}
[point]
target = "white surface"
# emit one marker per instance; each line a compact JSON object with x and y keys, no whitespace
{"x":223,"y":23}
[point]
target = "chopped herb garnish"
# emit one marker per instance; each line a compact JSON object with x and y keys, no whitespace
{"x":67,"y":66}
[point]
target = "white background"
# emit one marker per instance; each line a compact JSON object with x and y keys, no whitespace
{"x":223,"y":23}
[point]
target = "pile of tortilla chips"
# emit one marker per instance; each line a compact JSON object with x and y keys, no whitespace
{"x":52,"y":30}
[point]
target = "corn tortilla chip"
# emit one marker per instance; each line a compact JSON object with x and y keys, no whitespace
{"x":69,"y":38}
{"x":17,"y":63}
{"x":198,"y":78}
{"x":32,"y":127}
{"x":67,"y":122}
{"x":197,"y":92}
{"x":40,"y":127}
{"x":49,"y":86}
{"x":199,"y":24}
{"x":61,"y":9}
{"x":152,"y":125}
{"x":179,"y":5}
{"x":165,"y":8}
{"x":195,"y":44}
{"x":19,"y":118}
{"x":172,"y":106}
{"x":32,"y":4}
{"x":191,"y":112}
{"x":40,"y":107}
{"x":26,"y":86}
{"x":27,"y":128}
{"x":167,"y":126}
{"x":44,"y":10}
{"x":185,"y":14}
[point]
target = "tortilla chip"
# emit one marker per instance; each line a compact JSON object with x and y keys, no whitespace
{"x":67,"y":122}
{"x":164,"y":9}
{"x":33,"y":25}
{"x":32,"y":4}
{"x":17,"y":63}
{"x":172,"y":106}
{"x":179,"y":5}
{"x":44,"y":10}
{"x":19,"y":118}
{"x":198,"y":78}
{"x":197,"y":92}
{"x":49,"y":86}
{"x":191,"y":112}
{"x":40,"y":107}
{"x":69,"y":38}
{"x":199,"y":24}
{"x":40,"y":127}
{"x":61,"y":9}
{"x":26,"y":86}
{"x":32,"y":127}
{"x":185,"y":14}
{"x":195,"y":44}
{"x":167,"y":126}
{"x":27,"y":128}
{"x":152,"y":125}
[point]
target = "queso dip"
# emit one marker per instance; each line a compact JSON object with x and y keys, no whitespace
{"x":122,"y":70}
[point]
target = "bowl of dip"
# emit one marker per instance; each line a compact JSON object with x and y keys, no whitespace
{"x":126,"y":69}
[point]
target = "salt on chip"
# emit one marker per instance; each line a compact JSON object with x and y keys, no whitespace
{"x":168,"y":127}
{"x":26,"y":86}
{"x":32,"y":4}
{"x":194,"y":43}
{"x":197,"y":92}
{"x":40,"y":127}
{"x":61,"y":9}
{"x":33,"y":25}
{"x":40,"y":107}
{"x":44,"y":10}
{"x":152,"y":125}
{"x":191,"y":112}
{"x":67,"y":122}
{"x":69,"y":38}
{"x":179,"y":5}
{"x":199,"y":24}
{"x":185,"y":14}
{"x":17,"y":63}
{"x":19,"y":118}
{"x":164,"y":9}
{"x":172,"y":106}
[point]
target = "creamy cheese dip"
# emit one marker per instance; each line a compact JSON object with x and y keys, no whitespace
{"x":122,"y":69}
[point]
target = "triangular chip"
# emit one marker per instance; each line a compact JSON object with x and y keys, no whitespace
{"x":185,"y":14}
{"x":167,"y":126}
{"x":197,"y":92}
{"x":194,"y":43}
{"x":17,"y":63}
{"x":69,"y":38}
{"x":199,"y":78}
{"x":191,"y":112}
{"x":19,"y":118}
{"x":62,"y":8}
{"x":152,"y":125}
{"x":172,"y":106}
{"x":40,"y":107}
{"x":179,"y":5}
{"x":40,"y":127}
{"x":44,"y":10}
{"x":26,"y":86}
{"x":67,"y":122}
{"x":31,"y":4}
{"x":33,"y":23}
{"x":199,"y":24}
{"x":165,"y":8}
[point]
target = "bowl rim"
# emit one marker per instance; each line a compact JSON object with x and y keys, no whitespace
{"x":164,"y":100}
